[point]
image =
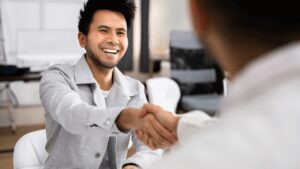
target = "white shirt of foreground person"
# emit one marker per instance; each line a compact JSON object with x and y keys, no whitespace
{"x":259,"y":124}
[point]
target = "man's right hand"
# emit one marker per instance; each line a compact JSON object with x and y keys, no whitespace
{"x":155,"y":135}
{"x":167,"y":119}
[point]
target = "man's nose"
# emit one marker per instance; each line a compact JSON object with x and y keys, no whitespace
{"x":113,"y":39}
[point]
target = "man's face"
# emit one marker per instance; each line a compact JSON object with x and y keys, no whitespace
{"x":106,"y":42}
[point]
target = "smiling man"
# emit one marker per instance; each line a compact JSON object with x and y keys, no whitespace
{"x":91,"y":107}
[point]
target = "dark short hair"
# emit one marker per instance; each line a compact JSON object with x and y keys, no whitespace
{"x":267,"y":19}
{"x":125,"y":7}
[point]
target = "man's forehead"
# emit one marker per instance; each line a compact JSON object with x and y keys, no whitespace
{"x":110,"y":19}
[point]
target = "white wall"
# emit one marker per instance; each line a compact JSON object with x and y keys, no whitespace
{"x":37,"y":33}
{"x":42,"y":19}
{"x":35,"y":24}
{"x":165,"y":16}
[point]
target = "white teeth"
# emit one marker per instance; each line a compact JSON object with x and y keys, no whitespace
{"x":112,"y":51}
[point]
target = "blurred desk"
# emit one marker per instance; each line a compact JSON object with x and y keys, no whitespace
{"x":31,"y":76}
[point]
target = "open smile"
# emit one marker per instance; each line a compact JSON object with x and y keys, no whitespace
{"x":110,"y":51}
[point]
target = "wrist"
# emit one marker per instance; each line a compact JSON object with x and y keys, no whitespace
{"x":122,"y":120}
{"x":127,"y":119}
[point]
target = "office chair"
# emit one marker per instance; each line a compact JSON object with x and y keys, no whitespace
{"x":29,"y":151}
{"x":198,"y":76}
{"x":163,"y":91}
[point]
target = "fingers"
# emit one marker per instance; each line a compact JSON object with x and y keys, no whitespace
{"x":149,"y":142}
{"x":166,"y":118}
{"x":151,"y":108}
{"x":154,"y":134}
{"x":139,"y":134}
{"x":152,"y":130}
{"x":152,"y":145}
{"x":163,"y":132}
{"x":146,"y":139}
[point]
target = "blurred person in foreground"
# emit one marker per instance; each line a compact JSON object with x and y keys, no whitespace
{"x":91,"y":107}
{"x":257,"y":42}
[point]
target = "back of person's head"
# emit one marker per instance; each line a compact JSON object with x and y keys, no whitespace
{"x":272,"y":21}
{"x":125,"y":7}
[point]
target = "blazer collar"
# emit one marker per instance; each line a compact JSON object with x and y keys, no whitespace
{"x":121,"y":81}
{"x":83,"y":75}
{"x":82,"y":72}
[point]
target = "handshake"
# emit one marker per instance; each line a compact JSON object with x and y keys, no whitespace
{"x":154,"y":126}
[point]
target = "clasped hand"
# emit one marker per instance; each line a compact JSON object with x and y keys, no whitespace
{"x":154,"y":126}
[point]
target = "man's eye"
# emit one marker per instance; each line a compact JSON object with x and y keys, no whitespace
{"x":121,"y":33}
{"x":103,"y":30}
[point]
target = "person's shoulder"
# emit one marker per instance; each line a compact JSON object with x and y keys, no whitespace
{"x":132,"y":81}
{"x":59,"y":69}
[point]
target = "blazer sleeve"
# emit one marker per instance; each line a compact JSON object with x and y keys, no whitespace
{"x":66,"y":107}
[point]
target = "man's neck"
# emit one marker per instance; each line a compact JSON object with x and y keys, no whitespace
{"x":103,"y":76}
{"x":104,"y":79}
{"x":234,"y":55}
{"x":243,"y":55}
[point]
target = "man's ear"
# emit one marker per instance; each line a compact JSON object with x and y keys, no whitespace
{"x":199,"y":16}
{"x":82,"y":39}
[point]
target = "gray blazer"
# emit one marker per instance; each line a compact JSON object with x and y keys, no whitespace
{"x":79,"y":121}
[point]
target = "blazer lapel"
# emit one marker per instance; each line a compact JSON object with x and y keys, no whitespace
{"x":98,"y":97}
{"x":121,"y":91}
{"x":117,"y":97}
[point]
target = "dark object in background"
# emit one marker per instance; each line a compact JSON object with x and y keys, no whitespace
{"x":199,"y":77}
{"x":156,"y":66}
{"x":187,"y":54}
{"x":13,"y":70}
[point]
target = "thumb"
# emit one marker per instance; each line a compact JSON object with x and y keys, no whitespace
{"x":143,"y":111}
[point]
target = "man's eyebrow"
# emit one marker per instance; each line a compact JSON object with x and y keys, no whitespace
{"x":107,"y":27}
{"x":122,"y":29}
{"x":103,"y":26}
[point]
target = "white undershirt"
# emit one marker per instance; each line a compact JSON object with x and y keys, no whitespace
{"x":105,"y":93}
{"x":105,"y":160}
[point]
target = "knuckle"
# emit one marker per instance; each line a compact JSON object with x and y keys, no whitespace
{"x":157,"y":107}
{"x":151,"y":118}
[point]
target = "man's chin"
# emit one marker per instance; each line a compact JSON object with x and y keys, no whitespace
{"x":107,"y":65}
